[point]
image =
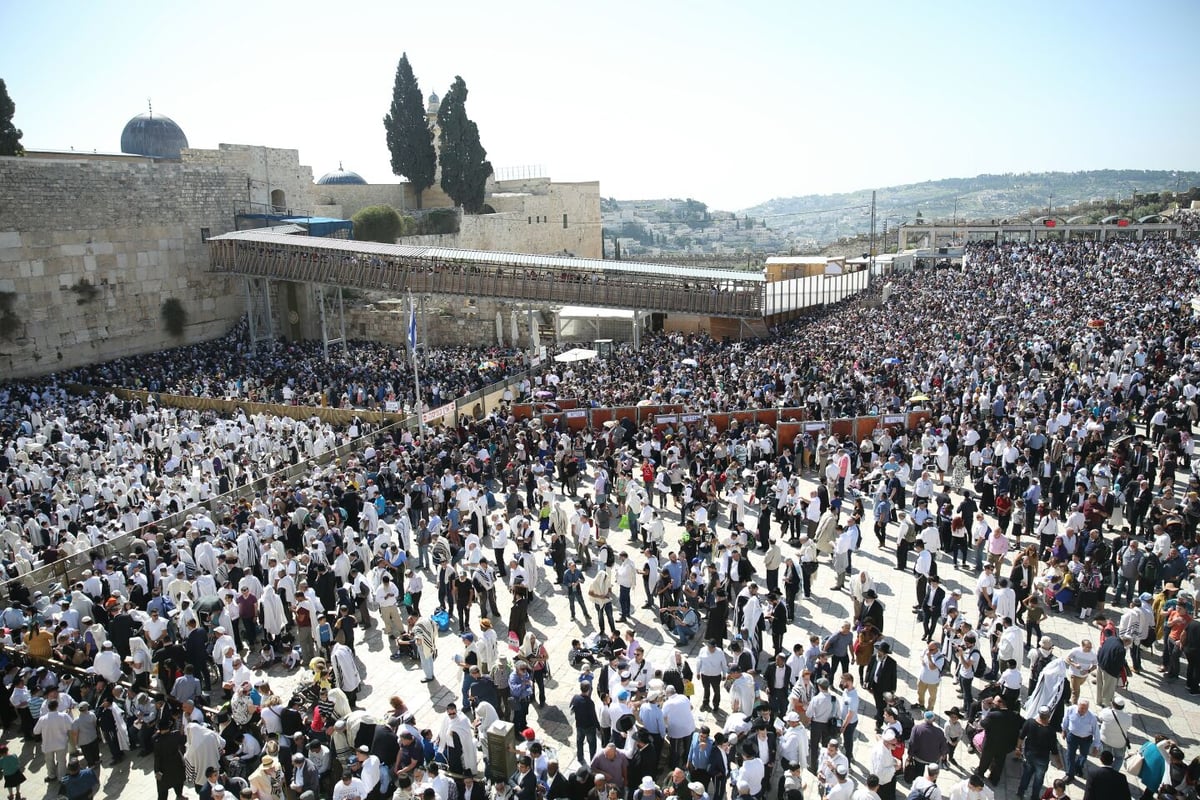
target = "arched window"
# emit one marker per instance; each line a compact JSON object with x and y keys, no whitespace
{"x":278,"y":199}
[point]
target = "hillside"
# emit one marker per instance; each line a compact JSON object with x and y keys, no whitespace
{"x":649,"y":228}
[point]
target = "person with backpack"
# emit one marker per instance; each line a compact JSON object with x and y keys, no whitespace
{"x":925,"y":786}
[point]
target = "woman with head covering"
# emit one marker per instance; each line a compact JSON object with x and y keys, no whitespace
{"x":534,"y":653}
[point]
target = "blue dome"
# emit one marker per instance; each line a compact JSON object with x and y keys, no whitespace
{"x":341,"y":176}
{"x":148,"y":135}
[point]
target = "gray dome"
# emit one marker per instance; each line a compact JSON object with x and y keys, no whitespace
{"x":148,"y":135}
{"x":341,"y":176}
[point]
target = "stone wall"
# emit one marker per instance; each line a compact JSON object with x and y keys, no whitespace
{"x":132,"y":232}
{"x":264,"y":170}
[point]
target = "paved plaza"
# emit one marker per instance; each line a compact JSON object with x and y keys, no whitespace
{"x":1157,"y":706}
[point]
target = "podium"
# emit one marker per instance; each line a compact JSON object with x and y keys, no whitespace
{"x":501,"y":753}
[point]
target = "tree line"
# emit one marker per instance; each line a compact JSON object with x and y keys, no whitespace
{"x":461,"y":155}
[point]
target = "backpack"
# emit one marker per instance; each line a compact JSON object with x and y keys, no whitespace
{"x":905,"y":718}
{"x":1149,"y":571}
{"x":921,"y":794}
{"x":609,"y":557}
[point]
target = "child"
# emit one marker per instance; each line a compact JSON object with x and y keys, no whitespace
{"x":14,"y":776}
{"x":1058,"y":791}
{"x":580,"y":655}
{"x":954,"y":733}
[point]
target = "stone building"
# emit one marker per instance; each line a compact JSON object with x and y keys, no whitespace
{"x":92,"y":245}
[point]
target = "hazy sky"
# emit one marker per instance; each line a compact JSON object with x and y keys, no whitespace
{"x":729,"y":103}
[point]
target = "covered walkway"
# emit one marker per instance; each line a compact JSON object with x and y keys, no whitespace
{"x":369,"y":266}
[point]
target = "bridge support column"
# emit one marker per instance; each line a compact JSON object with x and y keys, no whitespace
{"x":330,"y":305}
{"x":258,"y":311}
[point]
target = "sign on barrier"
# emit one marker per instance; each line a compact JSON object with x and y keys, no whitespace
{"x":686,"y":418}
{"x":438,"y":413}
{"x":392,"y":406}
{"x":666,"y":419}
{"x":576,"y":413}
{"x":893,"y":419}
{"x":814,"y":426}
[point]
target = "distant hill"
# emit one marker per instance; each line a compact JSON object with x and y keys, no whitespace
{"x":984,"y":197}
{"x":672,"y":227}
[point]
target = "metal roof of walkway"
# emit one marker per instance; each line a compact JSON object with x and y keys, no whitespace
{"x":482,"y":273}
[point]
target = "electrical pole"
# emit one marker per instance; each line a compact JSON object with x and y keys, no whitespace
{"x":871,"y":253}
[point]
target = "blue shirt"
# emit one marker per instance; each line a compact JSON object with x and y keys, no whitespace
{"x":697,"y":755}
{"x":675,"y":570}
{"x":1081,"y":726}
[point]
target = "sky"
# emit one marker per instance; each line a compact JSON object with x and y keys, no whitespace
{"x":730,"y":104}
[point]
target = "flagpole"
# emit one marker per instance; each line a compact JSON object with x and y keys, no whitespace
{"x":412,"y":347}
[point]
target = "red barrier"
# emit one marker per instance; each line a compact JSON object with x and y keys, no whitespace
{"x":793,"y":414}
{"x":522,"y":410}
{"x":599,"y":416}
{"x":786,"y":432}
{"x":721,"y":421}
{"x":917,"y":419}
{"x":577,"y":419}
{"x":567,"y":402}
{"x":767,"y":416}
{"x":842,"y":427}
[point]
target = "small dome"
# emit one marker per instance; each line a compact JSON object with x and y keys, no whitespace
{"x":157,"y":137}
{"x":341,"y":176}
{"x":434,"y":102}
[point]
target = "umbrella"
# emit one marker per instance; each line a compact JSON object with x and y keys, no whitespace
{"x":644,"y":402}
{"x":543,"y":393}
{"x":679,"y":390}
{"x":892,"y":360}
{"x":918,"y":398}
{"x":575,"y":354}
{"x":612,"y":423}
{"x":690,"y":362}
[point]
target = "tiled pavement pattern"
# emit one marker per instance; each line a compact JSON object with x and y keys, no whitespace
{"x":1157,"y":706}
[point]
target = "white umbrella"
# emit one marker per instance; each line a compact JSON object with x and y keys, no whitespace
{"x":690,"y":362}
{"x":576,"y":354}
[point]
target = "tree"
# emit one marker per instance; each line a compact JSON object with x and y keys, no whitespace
{"x":465,"y":168}
{"x":409,"y":137}
{"x":10,"y":136}
{"x":377,"y":224}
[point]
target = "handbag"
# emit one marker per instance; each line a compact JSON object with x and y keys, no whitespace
{"x":689,"y":688}
{"x":1134,"y":764}
{"x":408,"y":598}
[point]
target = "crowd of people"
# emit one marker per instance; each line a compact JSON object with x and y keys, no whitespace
{"x":1053,"y":482}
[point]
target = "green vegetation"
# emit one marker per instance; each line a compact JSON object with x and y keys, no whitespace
{"x":10,"y":135}
{"x":174,"y":316}
{"x":377,"y":224}
{"x":465,"y":168}
{"x":85,"y":291}
{"x":409,"y":137}
{"x":10,"y":323}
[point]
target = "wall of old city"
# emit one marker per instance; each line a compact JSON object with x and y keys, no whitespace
{"x":91,"y":248}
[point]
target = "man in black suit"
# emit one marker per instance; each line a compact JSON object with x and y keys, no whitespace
{"x":880,"y":678}
{"x":556,"y":783}
{"x":871,"y":613}
{"x":523,"y":781}
{"x":1106,"y":782}
{"x":779,"y":683}
{"x":931,"y":607}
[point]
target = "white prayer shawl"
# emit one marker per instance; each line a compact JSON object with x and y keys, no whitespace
{"x":486,"y":715}
{"x":486,"y":647}
{"x":341,"y":703}
{"x":1048,"y":689}
{"x":345,"y":668}
{"x":752,"y":614}
{"x":203,"y":750}
{"x":273,"y":616}
{"x":462,"y":727}
{"x":742,"y":692}
{"x":122,"y":726}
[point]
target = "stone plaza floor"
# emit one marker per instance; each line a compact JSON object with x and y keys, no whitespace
{"x":1156,"y":705}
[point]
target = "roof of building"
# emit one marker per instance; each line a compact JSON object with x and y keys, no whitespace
{"x":154,"y":136}
{"x":496,"y":257}
{"x":341,"y":176}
